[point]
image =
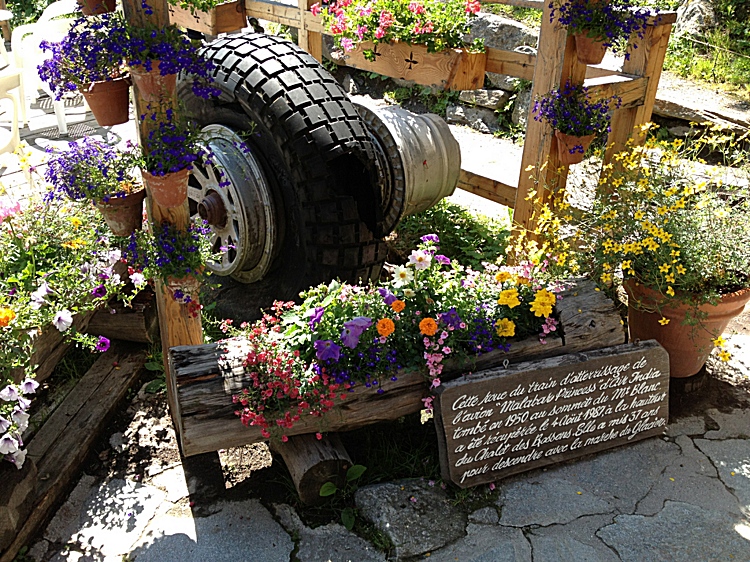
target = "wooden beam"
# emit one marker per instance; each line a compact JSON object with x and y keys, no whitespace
{"x":271,"y":11}
{"x":632,"y":92}
{"x":310,"y":41}
{"x":488,"y":188}
{"x":535,"y":4}
{"x":520,"y":65}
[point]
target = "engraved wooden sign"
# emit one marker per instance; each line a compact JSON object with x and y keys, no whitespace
{"x":500,"y":422}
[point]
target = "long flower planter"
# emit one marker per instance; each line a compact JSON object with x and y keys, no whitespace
{"x":203,"y":378}
{"x":451,"y":69}
{"x":224,"y":18}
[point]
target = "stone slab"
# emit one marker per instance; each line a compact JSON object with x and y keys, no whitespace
{"x":678,"y":532}
{"x":575,"y":541}
{"x":731,"y":458}
{"x":490,"y":99}
{"x":690,"y":425}
{"x":485,"y":543}
{"x":416,"y":517}
{"x":485,"y":516}
{"x":732,"y":425}
{"x":546,"y":501}
{"x":237,"y":531}
{"x":66,"y":520}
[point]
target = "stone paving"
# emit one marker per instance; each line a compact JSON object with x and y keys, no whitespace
{"x":681,"y":497}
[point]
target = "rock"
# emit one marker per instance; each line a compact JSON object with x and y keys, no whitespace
{"x":565,"y":548}
{"x":520,"y":115}
{"x":349,"y":85}
{"x":576,"y":540}
{"x":732,"y":425}
{"x":66,"y":519}
{"x":117,"y":442}
{"x":691,"y":425}
{"x":730,"y":457}
{"x":546,"y":501}
{"x":505,"y":34}
{"x":491,"y":99}
{"x":416,"y":517}
{"x":236,"y":531}
{"x":485,"y":516}
{"x":694,"y":17}
{"x":38,"y":552}
{"x":486,"y":544}
{"x":678,"y":532}
{"x":482,"y":120}
{"x":172,"y":481}
{"x":681,"y":131}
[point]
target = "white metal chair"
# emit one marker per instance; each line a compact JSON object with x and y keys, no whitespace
{"x":11,"y":88}
{"x":53,"y":25}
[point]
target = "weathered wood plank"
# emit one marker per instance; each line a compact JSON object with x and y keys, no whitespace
{"x":137,"y":323}
{"x":488,"y":188}
{"x":632,"y":92}
{"x":64,"y":441}
{"x":224,"y":18}
{"x":272,"y":11}
{"x":520,"y":65}
{"x":207,"y":376}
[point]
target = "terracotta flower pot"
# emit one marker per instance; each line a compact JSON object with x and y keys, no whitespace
{"x":151,"y":85}
{"x":688,"y":346}
{"x":109,"y":101}
{"x":588,"y":50}
{"x":169,"y":190}
{"x":123,"y":215}
{"x":95,"y":7}
{"x":570,"y":149}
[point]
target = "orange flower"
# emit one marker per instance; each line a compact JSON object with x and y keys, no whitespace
{"x":385,"y":326}
{"x":428,"y":327}
{"x":6,"y":316}
{"x":398,"y":305}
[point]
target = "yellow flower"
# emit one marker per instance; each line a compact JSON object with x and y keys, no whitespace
{"x":681,"y":270}
{"x":74,"y":244}
{"x":502,"y":276}
{"x":719,"y":342}
{"x":76,"y":222}
{"x":724,"y":355}
{"x":663,"y":268}
{"x":626,"y":265}
{"x":6,"y":316}
{"x":664,"y":321}
{"x":509,"y":297}
{"x":605,"y":277}
{"x":638,"y":215}
{"x":505,"y":328}
{"x":543,"y":302}
{"x":670,"y":291}
{"x":670,"y":278}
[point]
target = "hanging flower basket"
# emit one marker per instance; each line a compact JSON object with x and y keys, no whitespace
{"x":450,"y":69}
{"x":96,"y":7}
{"x":588,"y":50}
{"x":109,"y":101}
{"x":688,"y":345}
{"x":151,"y":84}
{"x":123,"y":215}
{"x":570,"y":149}
{"x":224,"y":18}
{"x":169,"y":190}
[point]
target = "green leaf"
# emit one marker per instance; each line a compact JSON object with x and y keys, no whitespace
{"x":355,"y":472}
{"x":328,"y":489}
{"x":348,"y":518}
{"x":155,"y":386}
{"x":154,"y":366}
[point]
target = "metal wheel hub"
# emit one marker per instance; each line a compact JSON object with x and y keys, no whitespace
{"x":229,"y":190}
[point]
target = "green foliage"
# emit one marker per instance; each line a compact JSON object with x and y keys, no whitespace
{"x":434,"y":101}
{"x":465,"y":237}
{"x":345,"y":495}
{"x":531,"y":17}
{"x":26,"y":11}
{"x":155,"y":365}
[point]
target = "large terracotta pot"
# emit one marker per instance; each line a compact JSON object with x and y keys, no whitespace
{"x":588,"y":50}
{"x":567,"y":143}
{"x":123,"y":215}
{"x":169,"y":190}
{"x":151,"y":85}
{"x":109,"y":101}
{"x":688,"y":346}
{"x":95,"y":7}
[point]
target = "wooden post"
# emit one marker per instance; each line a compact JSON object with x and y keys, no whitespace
{"x":538,"y":143}
{"x":176,"y":325}
{"x":647,"y":60}
{"x":310,"y":41}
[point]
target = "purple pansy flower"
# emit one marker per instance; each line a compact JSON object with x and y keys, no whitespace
{"x":326,"y":350}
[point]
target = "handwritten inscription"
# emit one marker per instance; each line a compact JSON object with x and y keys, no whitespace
{"x":500,"y":422}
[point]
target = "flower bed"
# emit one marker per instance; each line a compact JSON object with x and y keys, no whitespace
{"x":55,"y":269}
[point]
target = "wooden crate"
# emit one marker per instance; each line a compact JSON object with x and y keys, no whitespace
{"x":224,"y":18}
{"x":451,"y":69}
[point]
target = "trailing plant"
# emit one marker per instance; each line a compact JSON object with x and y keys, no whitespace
{"x":439,"y":24}
{"x":90,"y":170}
{"x":94,"y":50}
{"x":612,"y":22}
{"x":345,"y":337}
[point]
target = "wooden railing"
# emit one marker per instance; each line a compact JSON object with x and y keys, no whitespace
{"x":553,"y":65}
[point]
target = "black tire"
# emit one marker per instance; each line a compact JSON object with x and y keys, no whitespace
{"x":316,"y":153}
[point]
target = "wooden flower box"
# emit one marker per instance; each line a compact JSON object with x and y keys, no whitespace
{"x":451,"y":69}
{"x":203,"y":378}
{"x":224,"y":18}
